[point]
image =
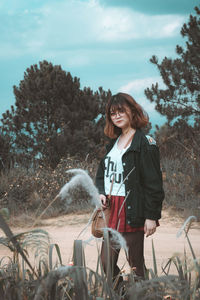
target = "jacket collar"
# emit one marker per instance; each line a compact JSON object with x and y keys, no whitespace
{"x":136,"y":141}
{"x":135,"y":144}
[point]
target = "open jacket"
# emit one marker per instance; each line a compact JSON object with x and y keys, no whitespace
{"x":142,"y":179}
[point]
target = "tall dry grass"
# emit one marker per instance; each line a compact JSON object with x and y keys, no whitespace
{"x":47,"y":278}
{"x":31,"y":272}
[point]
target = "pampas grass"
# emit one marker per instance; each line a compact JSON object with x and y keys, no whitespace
{"x":186,"y":226}
{"x":117,"y":239}
{"x":81,"y":178}
{"x":51,"y":279}
{"x":79,"y":282}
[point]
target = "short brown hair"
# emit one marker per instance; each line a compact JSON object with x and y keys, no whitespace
{"x":139,"y":116}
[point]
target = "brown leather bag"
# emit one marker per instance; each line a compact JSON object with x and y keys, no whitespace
{"x":99,"y":221}
{"x":101,"y":216}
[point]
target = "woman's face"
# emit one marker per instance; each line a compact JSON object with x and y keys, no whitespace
{"x":121,"y":117}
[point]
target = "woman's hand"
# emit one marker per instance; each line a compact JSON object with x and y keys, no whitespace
{"x":149,"y":227}
{"x":103,"y":201}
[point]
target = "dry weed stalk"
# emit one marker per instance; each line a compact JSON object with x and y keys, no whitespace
{"x":81,"y":178}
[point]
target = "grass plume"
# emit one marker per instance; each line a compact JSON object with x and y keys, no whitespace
{"x":117,"y":239}
{"x":80,"y":178}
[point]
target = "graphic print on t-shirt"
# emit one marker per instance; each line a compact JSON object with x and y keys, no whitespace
{"x":111,"y":170}
{"x":114,"y":167}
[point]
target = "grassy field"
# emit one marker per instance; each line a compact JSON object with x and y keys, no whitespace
{"x":35,"y":270}
{"x":30,"y":272}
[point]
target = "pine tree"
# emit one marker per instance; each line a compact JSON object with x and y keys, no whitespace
{"x":53,"y":116}
{"x":180,"y":100}
{"x":5,"y":153}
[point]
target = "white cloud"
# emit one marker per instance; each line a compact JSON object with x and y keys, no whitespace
{"x":60,"y":25}
{"x":125,"y":24}
{"x":136,"y":89}
{"x":172,"y":27}
{"x":138,"y":85}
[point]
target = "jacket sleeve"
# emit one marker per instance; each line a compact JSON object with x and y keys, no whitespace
{"x":152,"y":182}
{"x":100,"y":178}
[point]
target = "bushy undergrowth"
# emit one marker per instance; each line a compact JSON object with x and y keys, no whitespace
{"x":31,"y":190}
{"x":181,"y":180}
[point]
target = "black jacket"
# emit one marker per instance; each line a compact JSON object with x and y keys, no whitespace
{"x":142,"y":179}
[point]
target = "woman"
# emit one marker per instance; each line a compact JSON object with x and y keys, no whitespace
{"x":130,"y":172}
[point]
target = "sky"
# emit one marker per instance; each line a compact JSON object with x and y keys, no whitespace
{"x":105,"y":43}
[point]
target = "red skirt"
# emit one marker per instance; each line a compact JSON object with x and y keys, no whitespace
{"x":117,"y":219}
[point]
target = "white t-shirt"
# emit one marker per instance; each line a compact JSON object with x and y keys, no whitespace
{"x":114,"y":167}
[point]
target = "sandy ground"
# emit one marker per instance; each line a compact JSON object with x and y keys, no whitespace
{"x":65,"y":229}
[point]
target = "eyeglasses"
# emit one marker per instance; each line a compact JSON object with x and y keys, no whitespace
{"x":118,"y":112}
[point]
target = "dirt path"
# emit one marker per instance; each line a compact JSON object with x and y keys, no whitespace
{"x":65,"y":229}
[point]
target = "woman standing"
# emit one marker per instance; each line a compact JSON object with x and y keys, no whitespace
{"x":132,"y":167}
